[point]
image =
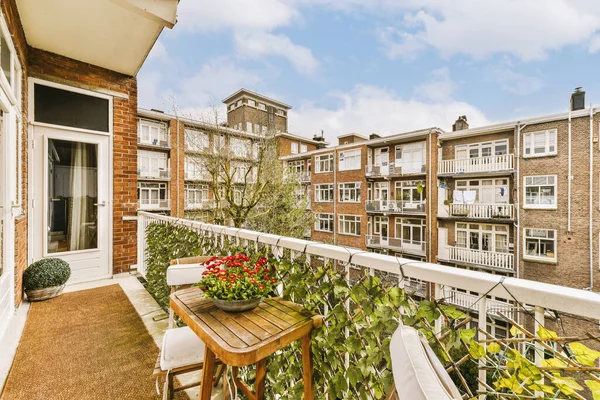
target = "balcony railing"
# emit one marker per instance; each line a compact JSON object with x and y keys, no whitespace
{"x":405,"y":245}
{"x":469,"y":302}
{"x":400,"y":169}
{"x":160,"y":175}
{"x":503,"y":261}
{"x":475,"y":165}
{"x":202,"y":205}
{"x":483,"y":211}
{"x":155,"y":204}
{"x":302,"y":177}
{"x":483,"y":294}
{"x":395,"y":206}
{"x":196,"y":176}
{"x":164,"y":143}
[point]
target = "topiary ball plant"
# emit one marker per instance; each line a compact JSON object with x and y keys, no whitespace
{"x":44,"y":274}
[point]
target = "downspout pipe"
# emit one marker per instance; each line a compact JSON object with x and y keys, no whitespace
{"x":591,"y":192}
{"x":569,"y":178}
{"x":335,"y":199}
{"x":517,"y":183}
{"x":177,"y":174}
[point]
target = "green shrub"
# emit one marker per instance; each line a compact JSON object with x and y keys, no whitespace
{"x":46,"y":273}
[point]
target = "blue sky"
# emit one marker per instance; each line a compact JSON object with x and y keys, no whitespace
{"x":384,"y":66}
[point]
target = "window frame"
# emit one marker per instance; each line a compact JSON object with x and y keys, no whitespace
{"x":553,"y":206}
{"x":539,"y":239}
{"x":529,"y":141}
{"x":318,"y":192}
{"x":324,"y":160}
{"x":319,"y":218}
{"x":342,"y":189}
{"x":356,"y":219}
{"x":349,"y":157}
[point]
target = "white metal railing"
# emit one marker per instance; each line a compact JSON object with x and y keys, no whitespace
{"x":479,"y":164}
{"x":203,"y":205}
{"x":407,"y":245}
{"x":162,"y":174}
{"x":469,"y":302}
{"x":534,"y":295}
{"x":395,"y":206}
{"x":482,"y":211}
{"x":398,"y":169}
{"x":158,"y":204}
{"x":162,"y":143}
{"x":484,"y":258}
{"x":197,"y":176}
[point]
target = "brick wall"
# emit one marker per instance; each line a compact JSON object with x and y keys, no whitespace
{"x":177,"y":184}
{"x":64,"y":70}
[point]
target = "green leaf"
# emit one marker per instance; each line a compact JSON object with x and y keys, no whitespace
{"x":553,"y":362}
{"x":594,"y":388}
{"x":542,"y":388}
{"x":514,"y":331}
{"x":567,"y":385}
{"x":476,"y":350}
{"x":512,"y":384}
{"x":584,"y":354}
{"x":467,"y":334}
{"x":452,"y":312}
{"x":493,"y":348}
{"x":545,"y":334}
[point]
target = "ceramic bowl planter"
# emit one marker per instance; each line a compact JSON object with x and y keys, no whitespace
{"x":46,"y":278}
{"x":237,"y":305}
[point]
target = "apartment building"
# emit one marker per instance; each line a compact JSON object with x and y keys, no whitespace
{"x":173,"y":175}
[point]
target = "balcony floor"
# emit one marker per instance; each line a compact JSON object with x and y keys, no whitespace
{"x":145,"y":306}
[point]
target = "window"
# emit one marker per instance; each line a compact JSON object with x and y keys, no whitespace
{"x":248,"y":126}
{"x":152,"y":164}
{"x":484,"y":237}
{"x":240,"y":147}
{"x":303,"y":148}
{"x":539,"y":144}
{"x":296,"y":167}
{"x":324,"y":163}
{"x":349,"y":225}
{"x":153,"y":195}
{"x":408,"y":192}
{"x":540,"y":244}
{"x":411,"y":158}
{"x":324,"y":223}
{"x":487,"y":191}
{"x":479,"y":150}
{"x":195,"y":195}
{"x":382,"y":156}
{"x":242,"y":172}
{"x":324,"y":193}
{"x":540,"y":191}
{"x":411,"y":231}
{"x":195,"y":140}
{"x":153,"y":133}
{"x":251,"y":103}
{"x":349,"y":192}
{"x":194,"y":169}
{"x":261,"y":106}
{"x":294,"y":148}
{"x":349,"y":160}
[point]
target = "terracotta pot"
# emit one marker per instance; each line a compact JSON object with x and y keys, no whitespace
{"x":237,"y":305}
{"x":44,"y":293}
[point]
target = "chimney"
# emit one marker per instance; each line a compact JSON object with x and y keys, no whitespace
{"x":374,"y":136}
{"x":578,"y":99}
{"x":460,"y":124}
{"x":318,"y":138}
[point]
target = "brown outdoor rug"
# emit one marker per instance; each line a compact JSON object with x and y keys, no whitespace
{"x":89,"y":344}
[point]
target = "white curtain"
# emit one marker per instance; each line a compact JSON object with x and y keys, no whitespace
{"x":82,"y":190}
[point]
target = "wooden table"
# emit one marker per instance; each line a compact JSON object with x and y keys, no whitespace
{"x":241,"y":339}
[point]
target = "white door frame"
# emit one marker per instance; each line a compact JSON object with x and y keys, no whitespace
{"x":32,"y":162}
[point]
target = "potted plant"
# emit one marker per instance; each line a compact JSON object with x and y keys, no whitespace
{"x":46,"y":278}
{"x":236,"y":283}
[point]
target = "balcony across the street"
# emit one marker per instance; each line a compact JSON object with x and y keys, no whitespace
{"x":199,"y":205}
{"x":396,"y":244}
{"x":477,"y":165}
{"x":482,"y":211}
{"x":395,"y":206}
{"x":496,"y":260}
{"x":399,"y":169}
{"x":163,"y":174}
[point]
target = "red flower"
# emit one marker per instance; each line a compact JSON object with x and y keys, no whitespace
{"x":261,"y":287}
{"x":252,"y":281}
{"x":273,"y":280}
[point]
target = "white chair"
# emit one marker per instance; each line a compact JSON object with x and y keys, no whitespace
{"x":418,"y":374}
{"x":182,"y":351}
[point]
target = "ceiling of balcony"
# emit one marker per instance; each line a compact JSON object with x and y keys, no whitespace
{"x":114,"y":34}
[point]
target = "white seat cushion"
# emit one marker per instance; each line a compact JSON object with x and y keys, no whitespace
{"x":184,"y":274}
{"x":418,"y":374}
{"x":180,"y":348}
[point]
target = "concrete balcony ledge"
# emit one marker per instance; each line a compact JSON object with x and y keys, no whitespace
{"x":161,"y":175}
{"x":395,"y":207}
{"x":395,"y":244}
{"x":155,"y":205}
{"x":399,"y":169}
{"x":204,"y":205}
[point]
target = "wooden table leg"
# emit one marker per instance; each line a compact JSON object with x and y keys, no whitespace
{"x":261,"y":372}
{"x":307,"y":367}
{"x":208,"y":370}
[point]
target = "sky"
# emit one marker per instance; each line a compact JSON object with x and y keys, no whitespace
{"x":378,"y":66}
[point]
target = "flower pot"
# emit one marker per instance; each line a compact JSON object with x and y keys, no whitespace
{"x":44,"y":294}
{"x":237,"y":305}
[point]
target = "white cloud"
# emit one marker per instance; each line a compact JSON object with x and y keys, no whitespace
{"x":370,"y":109}
{"x":512,"y":81}
{"x":528,"y":29}
{"x":158,"y":52}
{"x":439,"y":88}
{"x":256,"y":45}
